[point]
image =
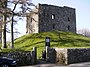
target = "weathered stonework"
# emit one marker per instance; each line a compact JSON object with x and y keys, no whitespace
{"x":50,"y":54}
{"x":49,"y":17}
{"x":22,"y":57}
{"x":78,"y":55}
{"x":68,"y":55}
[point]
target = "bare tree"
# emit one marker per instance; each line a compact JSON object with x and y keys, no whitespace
{"x":25,"y":7}
{"x":8,"y":12}
{"x":3,"y":11}
{"x":84,"y":32}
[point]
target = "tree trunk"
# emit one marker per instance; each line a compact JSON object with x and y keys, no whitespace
{"x":4,"y":6}
{"x":12,"y":35}
{"x":4,"y":33}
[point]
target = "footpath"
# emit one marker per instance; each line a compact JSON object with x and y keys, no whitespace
{"x":84,"y":64}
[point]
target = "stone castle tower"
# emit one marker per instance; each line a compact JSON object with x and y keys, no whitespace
{"x":49,"y":17}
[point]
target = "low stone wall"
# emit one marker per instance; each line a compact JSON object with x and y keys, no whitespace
{"x":61,"y":55}
{"x":50,"y":54}
{"x":22,"y":57}
{"x":69,"y":56}
{"x":78,"y":55}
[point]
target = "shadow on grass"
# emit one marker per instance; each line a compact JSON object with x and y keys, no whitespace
{"x":71,"y":42}
{"x":34,"y":44}
{"x":32,"y":38}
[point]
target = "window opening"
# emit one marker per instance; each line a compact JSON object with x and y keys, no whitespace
{"x":68,"y":19}
{"x":53,"y":16}
{"x":53,"y":26}
{"x":68,"y":27}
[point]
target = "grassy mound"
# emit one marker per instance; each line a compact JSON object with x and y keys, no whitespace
{"x":58,"y":39}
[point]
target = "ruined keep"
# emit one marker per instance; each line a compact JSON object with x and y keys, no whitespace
{"x":49,"y":17}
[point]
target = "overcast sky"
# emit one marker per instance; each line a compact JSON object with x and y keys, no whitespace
{"x":82,"y":13}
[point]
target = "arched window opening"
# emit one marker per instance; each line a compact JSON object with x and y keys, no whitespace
{"x":53,"y":16}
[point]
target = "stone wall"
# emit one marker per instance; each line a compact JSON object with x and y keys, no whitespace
{"x":32,"y":22}
{"x":56,"y":18}
{"x":22,"y":57}
{"x":69,"y":56}
{"x":78,"y":55}
{"x":50,"y":17}
{"x":61,"y":55}
{"x":50,"y":54}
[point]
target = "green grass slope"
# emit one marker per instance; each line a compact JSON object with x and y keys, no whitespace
{"x":58,"y":39}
